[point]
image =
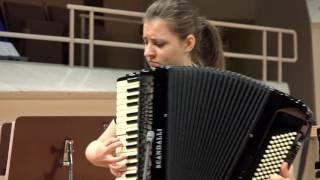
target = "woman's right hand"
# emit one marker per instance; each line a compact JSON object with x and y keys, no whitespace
{"x":103,"y":154}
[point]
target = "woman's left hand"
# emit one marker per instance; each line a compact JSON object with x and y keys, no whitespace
{"x":284,"y":171}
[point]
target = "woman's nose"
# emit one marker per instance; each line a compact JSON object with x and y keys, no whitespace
{"x":148,"y":52}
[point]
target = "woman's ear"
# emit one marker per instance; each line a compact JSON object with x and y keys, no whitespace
{"x":189,"y":43}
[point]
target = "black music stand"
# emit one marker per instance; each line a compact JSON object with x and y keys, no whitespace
{"x":38,"y":147}
{"x":4,"y":146}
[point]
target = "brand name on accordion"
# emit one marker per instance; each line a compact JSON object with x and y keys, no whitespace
{"x":158,"y":159}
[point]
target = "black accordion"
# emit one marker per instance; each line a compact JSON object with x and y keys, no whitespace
{"x":200,"y":123}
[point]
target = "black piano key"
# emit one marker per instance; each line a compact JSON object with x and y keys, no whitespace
{"x":132,"y":114}
{"x":132,"y":146}
{"x":132,"y":164}
{"x":132,"y":104}
{"x":132,"y":139}
{"x":133,"y":97}
{"x":135,"y":121}
{"x":133,"y":90}
{"x":132,"y":157}
{"x":132,"y":132}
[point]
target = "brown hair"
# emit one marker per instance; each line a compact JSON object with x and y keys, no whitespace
{"x":185,"y":20}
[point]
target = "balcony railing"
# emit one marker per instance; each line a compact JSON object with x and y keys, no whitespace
{"x":91,"y":41}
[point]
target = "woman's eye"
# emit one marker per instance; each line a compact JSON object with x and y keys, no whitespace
{"x":159,"y":44}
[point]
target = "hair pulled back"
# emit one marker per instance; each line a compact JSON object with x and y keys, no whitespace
{"x":183,"y":20}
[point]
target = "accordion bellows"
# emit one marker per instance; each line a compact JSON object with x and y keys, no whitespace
{"x":207,"y":124}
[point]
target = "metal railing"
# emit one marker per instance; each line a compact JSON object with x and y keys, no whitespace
{"x":264,"y":56}
{"x":91,"y":41}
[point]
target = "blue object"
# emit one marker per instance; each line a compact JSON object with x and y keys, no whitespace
{"x":2,"y":28}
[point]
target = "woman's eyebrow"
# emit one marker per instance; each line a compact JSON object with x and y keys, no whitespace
{"x":158,"y":39}
{"x":154,"y":39}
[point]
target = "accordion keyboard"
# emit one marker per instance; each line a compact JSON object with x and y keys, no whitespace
{"x":127,"y":124}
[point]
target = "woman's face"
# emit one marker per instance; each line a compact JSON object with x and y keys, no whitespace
{"x":162,"y":46}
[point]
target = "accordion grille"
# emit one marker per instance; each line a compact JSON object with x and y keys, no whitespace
{"x":211,"y":114}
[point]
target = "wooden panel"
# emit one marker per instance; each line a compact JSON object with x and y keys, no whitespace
{"x":16,"y":21}
{"x":316,"y":67}
{"x":38,"y":147}
{"x":31,"y":2}
{"x":4,"y":146}
{"x":15,"y":104}
{"x":62,"y":3}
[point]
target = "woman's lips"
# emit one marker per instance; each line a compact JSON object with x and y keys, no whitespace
{"x":154,"y":64}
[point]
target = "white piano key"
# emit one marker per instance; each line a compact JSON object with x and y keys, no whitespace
{"x":124,"y":106}
{"x":129,"y":111}
{"x":129,"y":152}
{"x":121,"y":131}
{"x":126,"y":94}
{"x":123,"y":150}
{"x":128,"y":136}
{"x":129,"y":161}
{"x":125,"y":125}
{"x":133,"y":152}
{"x":131,"y":130}
{"x":127,"y":86}
{"x":132,"y":168}
{"x":130,"y":108}
{"x":124,"y":119}
{"x":130,"y":172}
{"x":126,"y":83}
{"x":124,"y":141}
{"x":123,"y":177}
